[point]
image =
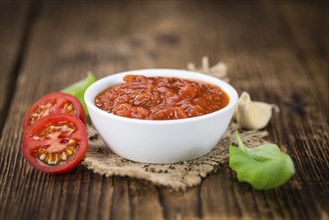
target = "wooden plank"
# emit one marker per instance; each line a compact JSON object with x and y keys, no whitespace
{"x":181,"y":205}
{"x":120,"y":207}
{"x":255,"y":40}
{"x":143,"y":199}
{"x":13,"y":32}
{"x":310,"y":95}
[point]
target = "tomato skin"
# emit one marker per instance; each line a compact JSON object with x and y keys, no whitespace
{"x":58,"y":98}
{"x":29,"y":144}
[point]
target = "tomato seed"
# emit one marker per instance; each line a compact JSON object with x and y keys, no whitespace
{"x":42,"y":157}
{"x":49,"y":159}
{"x":71,"y":141}
{"x":70,"y":108}
{"x":70,"y":152}
{"x":64,"y":156}
{"x":57,"y":159}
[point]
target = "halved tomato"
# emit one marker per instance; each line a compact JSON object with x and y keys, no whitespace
{"x":52,"y":103}
{"x":55,"y":143}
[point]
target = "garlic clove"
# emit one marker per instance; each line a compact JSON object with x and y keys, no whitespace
{"x":205,"y":64}
{"x":251,"y":114}
{"x":191,"y":66}
{"x":219,"y":70}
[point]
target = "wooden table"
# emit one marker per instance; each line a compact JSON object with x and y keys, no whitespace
{"x":277,"y":51}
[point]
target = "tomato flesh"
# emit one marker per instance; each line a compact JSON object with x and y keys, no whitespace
{"x":53,"y":103}
{"x":55,"y":143}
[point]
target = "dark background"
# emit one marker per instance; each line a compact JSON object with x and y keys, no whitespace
{"x":275,"y":50}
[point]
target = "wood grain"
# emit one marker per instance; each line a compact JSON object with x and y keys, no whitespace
{"x":277,"y":51}
{"x":14,"y":30}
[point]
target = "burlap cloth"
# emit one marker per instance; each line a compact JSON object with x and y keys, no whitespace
{"x":178,"y":176}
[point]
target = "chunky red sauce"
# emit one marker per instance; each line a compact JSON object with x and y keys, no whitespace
{"x":161,"y":98}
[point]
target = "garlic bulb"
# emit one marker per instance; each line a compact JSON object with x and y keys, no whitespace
{"x":253,"y":115}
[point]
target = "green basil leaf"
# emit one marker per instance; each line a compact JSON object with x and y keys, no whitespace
{"x":264,"y":167}
{"x":78,"y":89}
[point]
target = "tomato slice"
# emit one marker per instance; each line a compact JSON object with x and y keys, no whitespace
{"x":56,"y":102}
{"x":55,"y":143}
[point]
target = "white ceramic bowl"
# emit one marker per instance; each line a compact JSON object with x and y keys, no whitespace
{"x":160,"y":141}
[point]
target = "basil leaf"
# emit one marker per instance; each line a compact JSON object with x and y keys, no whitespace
{"x":263,"y":167}
{"x":78,"y":89}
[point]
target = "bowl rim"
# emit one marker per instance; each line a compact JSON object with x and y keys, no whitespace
{"x":233,"y":96}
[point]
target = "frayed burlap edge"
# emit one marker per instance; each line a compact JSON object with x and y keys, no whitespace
{"x":178,"y":176}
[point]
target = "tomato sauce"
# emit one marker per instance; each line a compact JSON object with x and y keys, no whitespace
{"x":161,"y":98}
